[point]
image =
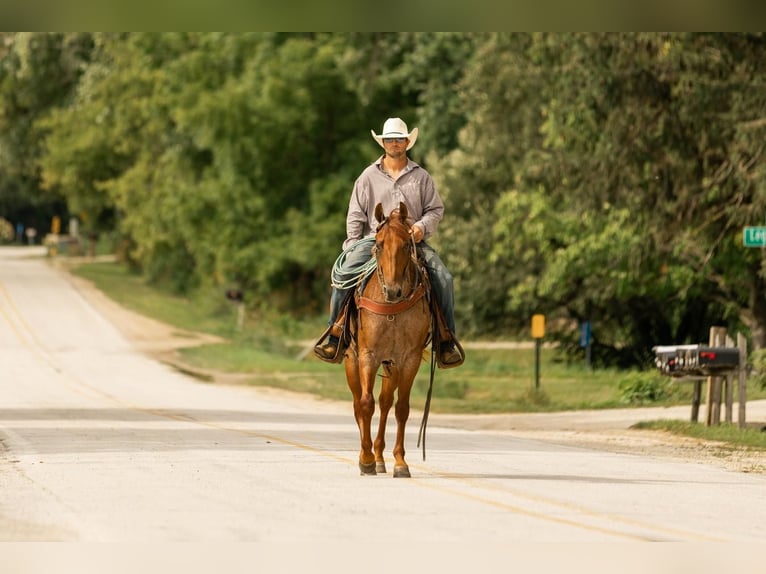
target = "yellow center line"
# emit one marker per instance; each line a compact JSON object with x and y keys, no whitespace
{"x":33,"y":344}
{"x":8,"y":317}
{"x":578,"y":508}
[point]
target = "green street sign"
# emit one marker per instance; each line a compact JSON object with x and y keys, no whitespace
{"x":754,"y":236}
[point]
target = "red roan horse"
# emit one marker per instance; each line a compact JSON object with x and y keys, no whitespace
{"x":392,"y":330}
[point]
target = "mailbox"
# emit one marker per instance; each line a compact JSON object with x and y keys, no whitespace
{"x":695,"y":360}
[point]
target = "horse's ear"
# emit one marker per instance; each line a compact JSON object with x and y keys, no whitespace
{"x":403,"y":211}
{"x":379,"y":213}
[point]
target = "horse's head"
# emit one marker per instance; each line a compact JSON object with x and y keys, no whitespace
{"x":393,"y":252}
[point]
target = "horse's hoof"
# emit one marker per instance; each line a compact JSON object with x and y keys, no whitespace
{"x":402,"y":472}
{"x":380,"y":467}
{"x":367,"y":469}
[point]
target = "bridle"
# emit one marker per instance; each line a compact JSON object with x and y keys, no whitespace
{"x":391,"y":309}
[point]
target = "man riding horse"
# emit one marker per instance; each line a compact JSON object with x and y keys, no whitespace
{"x":391,"y":179}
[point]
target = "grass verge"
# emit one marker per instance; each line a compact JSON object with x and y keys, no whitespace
{"x":752,"y":437}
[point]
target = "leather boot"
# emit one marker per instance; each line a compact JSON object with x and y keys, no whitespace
{"x":328,"y":351}
{"x":450,"y":354}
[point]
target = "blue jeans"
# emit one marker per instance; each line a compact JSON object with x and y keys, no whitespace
{"x":441,"y":279}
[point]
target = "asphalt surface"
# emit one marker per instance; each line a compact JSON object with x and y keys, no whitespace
{"x":101,"y":443}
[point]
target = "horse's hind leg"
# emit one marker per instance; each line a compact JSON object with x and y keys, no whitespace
{"x":385,"y":400}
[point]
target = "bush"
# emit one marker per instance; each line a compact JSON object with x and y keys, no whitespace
{"x":535,"y":399}
{"x":7,"y":233}
{"x":645,"y":388}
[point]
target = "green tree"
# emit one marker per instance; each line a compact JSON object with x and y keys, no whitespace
{"x":38,"y":73}
{"x":500,"y":95}
{"x":611,"y":167}
{"x":604,"y":177}
{"x":222,"y":154}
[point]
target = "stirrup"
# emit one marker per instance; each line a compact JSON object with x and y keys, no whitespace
{"x":339,"y":349}
{"x":458,"y":347}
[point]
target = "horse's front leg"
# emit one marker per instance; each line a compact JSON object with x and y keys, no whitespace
{"x":402,"y":410}
{"x":386,"y":400}
{"x":364,"y":409}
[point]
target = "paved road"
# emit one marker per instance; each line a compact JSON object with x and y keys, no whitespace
{"x":101,"y":443}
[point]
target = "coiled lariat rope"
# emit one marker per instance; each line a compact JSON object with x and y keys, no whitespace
{"x":352,"y":276}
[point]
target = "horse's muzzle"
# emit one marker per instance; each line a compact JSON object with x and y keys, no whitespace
{"x":392,"y":294}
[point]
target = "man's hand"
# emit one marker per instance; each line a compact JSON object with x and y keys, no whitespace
{"x":417,"y":233}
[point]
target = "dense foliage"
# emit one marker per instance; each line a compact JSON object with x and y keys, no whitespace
{"x":598,"y":177}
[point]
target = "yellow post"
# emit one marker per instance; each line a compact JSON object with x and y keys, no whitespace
{"x":538,"y":332}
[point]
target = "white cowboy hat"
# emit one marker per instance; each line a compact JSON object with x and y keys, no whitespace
{"x":395,"y":128}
